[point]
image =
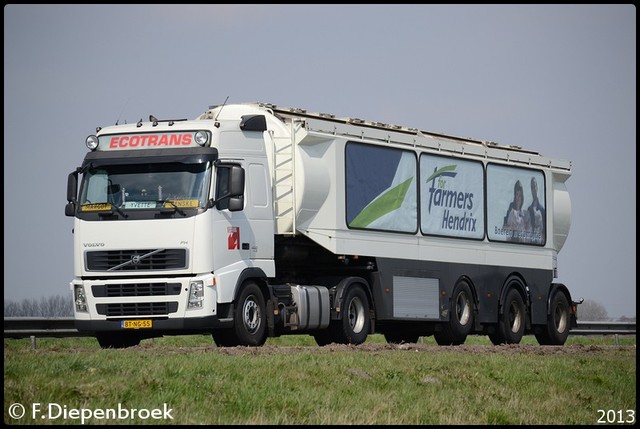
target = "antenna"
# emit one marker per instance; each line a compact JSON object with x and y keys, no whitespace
{"x":225,"y":102}
{"x":123,"y":107}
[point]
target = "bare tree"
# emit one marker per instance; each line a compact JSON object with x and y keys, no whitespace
{"x":53,"y":306}
{"x":591,"y":311}
{"x":627,"y":319}
{"x":11,"y":309}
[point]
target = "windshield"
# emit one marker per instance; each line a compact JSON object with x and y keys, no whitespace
{"x":145,"y":186}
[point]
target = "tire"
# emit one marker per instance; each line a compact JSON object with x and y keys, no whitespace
{"x":511,"y":322}
{"x":250,"y":319}
{"x":559,"y":322}
{"x":115,"y":340}
{"x":354,"y":324}
{"x":225,"y":338}
{"x":461,"y":320}
{"x":323,"y":337}
{"x":398,"y":338}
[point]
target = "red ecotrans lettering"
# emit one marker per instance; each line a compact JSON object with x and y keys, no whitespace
{"x":135,"y":141}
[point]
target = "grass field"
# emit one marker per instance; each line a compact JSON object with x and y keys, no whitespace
{"x":187,"y":380}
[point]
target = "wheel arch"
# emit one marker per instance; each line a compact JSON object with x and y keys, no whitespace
{"x":340,"y":286}
{"x":474,"y":295}
{"x":257,"y":276}
{"x":556,"y":288}
{"x":474,"y":292}
{"x":516,"y":281}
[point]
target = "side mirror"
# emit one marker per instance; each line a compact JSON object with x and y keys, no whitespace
{"x":70,"y":209}
{"x":72,"y":186}
{"x":232,"y":175}
{"x":236,"y":204}
{"x":72,"y":193}
{"x":236,"y":181}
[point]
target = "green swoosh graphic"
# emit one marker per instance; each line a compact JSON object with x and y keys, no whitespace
{"x":388,"y":202}
{"x":439,"y":172}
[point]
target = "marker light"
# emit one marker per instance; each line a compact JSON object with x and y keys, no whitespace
{"x":92,"y":142}
{"x":202,"y":138}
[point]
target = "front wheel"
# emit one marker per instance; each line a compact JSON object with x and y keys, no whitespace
{"x":355,"y":323}
{"x":249,"y":320}
{"x":511,"y":323}
{"x":559,"y":322}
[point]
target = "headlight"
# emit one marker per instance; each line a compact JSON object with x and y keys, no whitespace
{"x":92,"y":142}
{"x":196,"y":294}
{"x":202,"y":138}
{"x":80,"y":298}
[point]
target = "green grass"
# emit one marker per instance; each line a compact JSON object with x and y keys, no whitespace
{"x":300,"y":383}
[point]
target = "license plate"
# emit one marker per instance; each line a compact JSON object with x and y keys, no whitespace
{"x":136,"y":324}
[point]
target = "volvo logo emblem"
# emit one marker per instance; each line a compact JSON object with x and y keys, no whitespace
{"x":135,"y":259}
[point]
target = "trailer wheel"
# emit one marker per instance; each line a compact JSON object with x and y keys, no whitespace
{"x":511,"y":322}
{"x":250,"y":318}
{"x":558,"y":325}
{"x":354,"y":324}
{"x":460,"y":322}
{"x":115,"y":340}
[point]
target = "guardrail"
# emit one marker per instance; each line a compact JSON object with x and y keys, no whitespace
{"x":63,"y":327}
{"x":604,"y":328}
{"x":25,"y":327}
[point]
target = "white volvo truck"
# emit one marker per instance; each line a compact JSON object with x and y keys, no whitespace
{"x":254,"y":221}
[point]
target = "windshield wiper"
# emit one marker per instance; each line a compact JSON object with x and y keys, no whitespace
{"x":164,"y":209}
{"x":110,"y":212}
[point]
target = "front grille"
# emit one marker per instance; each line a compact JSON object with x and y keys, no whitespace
{"x":137,"y":309}
{"x":135,"y":289}
{"x":136,"y":260}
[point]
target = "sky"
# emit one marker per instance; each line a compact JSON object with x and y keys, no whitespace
{"x":556,"y":79}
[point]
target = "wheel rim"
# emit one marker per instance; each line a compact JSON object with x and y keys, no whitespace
{"x":515,"y":317}
{"x":560,"y":319}
{"x":356,"y":315}
{"x":251,"y":312}
{"x":463,"y":309}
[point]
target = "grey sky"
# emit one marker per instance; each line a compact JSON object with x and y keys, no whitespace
{"x":558,"y":79}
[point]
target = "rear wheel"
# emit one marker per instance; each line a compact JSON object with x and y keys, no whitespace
{"x":354,"y":324}
{"x":559,"y":323}
{"x":460,"y":322}
{"x":511,"y":323}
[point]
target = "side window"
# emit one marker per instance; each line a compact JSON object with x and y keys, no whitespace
{"x":222,"y":186}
